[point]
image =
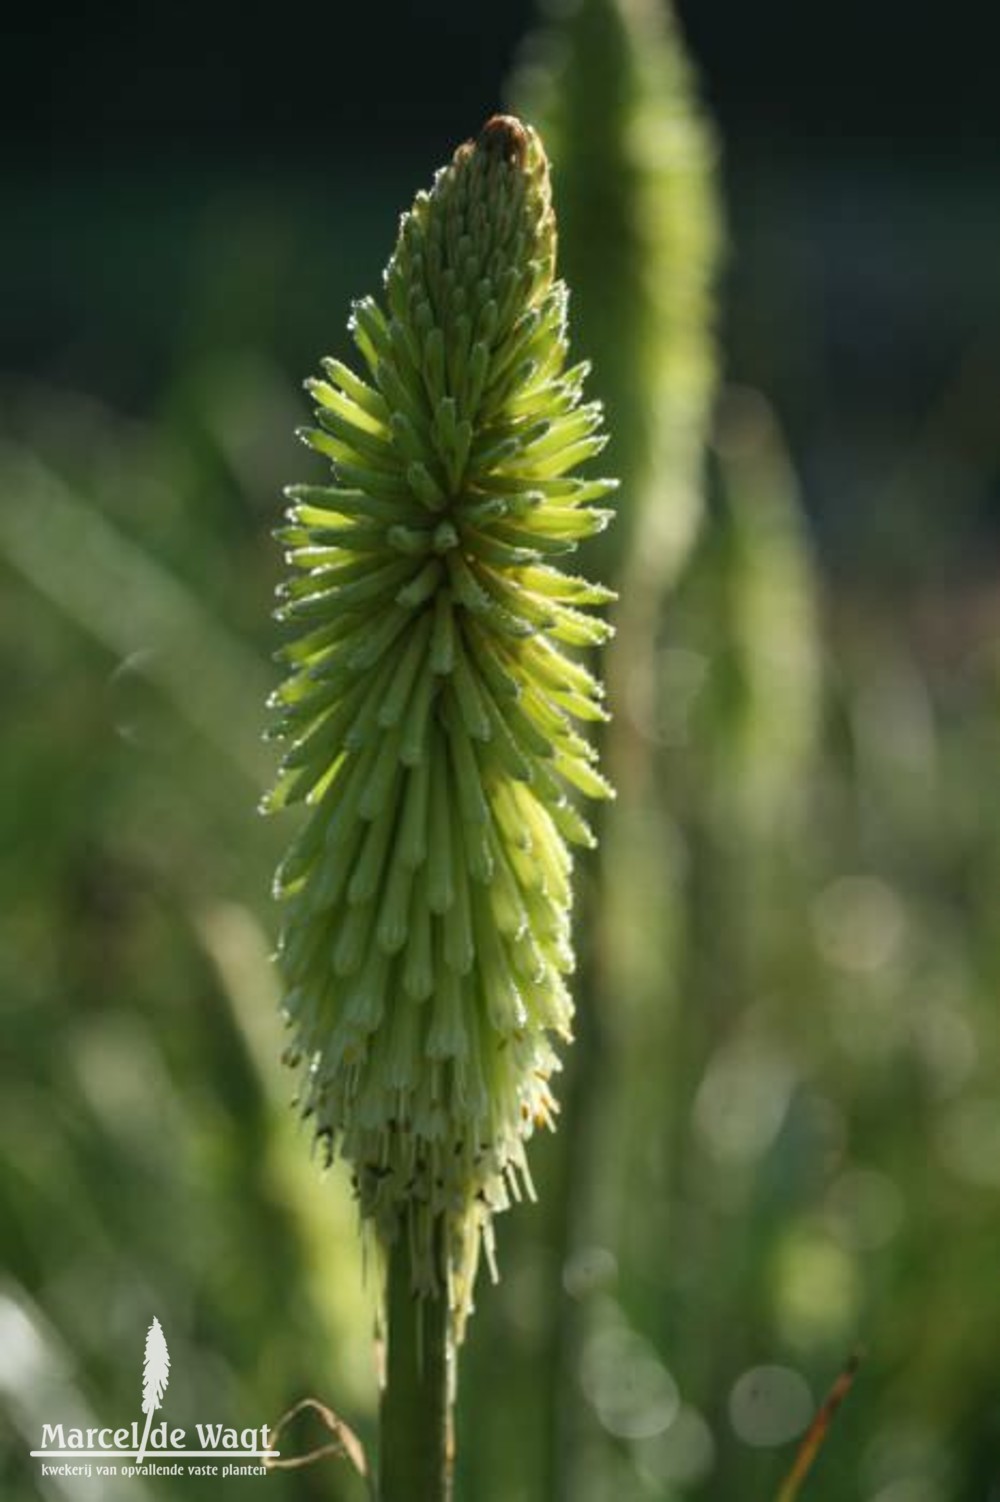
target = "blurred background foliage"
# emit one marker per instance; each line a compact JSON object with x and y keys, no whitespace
{"x":781,"y":1135}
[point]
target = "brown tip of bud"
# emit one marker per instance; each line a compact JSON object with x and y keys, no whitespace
{"x":504,"y":136}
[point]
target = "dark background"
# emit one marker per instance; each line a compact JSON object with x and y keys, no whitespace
{"x":860,"y":150}
{"x":266,"y":85}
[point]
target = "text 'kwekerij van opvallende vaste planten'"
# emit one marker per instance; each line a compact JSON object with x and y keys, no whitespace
{"x":430,"y":711}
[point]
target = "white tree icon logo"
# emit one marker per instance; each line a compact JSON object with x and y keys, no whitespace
{"x":155,"y":1376}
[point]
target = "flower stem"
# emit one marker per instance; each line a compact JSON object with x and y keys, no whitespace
{"x":415,"y":1420}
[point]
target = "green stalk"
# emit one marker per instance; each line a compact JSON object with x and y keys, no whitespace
{"x":416,"y":1413}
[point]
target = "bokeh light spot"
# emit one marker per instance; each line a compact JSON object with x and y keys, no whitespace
{"x":858,"y":922}
{"x":742,"y":1100}
{"x":770,"y":1405}
{"x":631,"y":1391}
{"x":683,"y":1455}
{"x":816,"y":1287}
{"x":590,"y":1269}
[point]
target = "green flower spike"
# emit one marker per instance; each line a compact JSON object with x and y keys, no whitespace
{"x":429,"y":710}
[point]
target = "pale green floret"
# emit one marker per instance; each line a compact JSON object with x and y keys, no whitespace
{"x":429,"y":712}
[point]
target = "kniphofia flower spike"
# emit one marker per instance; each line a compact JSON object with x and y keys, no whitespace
{"x":430,"y":711}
